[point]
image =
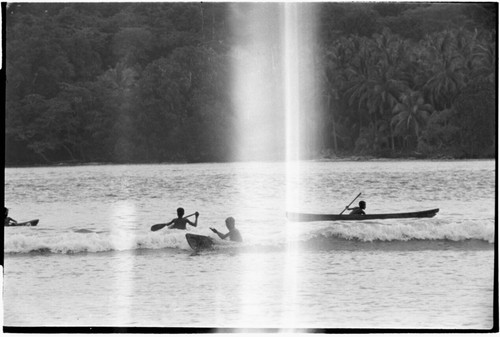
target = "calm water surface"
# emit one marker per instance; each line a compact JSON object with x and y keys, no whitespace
{"x":93,"y":261}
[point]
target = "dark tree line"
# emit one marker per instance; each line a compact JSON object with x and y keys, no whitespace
{"x":150,"y":82}
{"x":423,"y":89}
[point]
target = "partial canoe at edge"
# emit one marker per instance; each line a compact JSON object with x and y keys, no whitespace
{"x":303,"y":217}
{"x":26,"y":223}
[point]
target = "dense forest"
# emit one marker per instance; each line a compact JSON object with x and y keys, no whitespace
{"x":150,"y":82}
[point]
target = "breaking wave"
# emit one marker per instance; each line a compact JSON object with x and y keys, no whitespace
{"x":92,"y":242}
{"x":349,"y":236}
{"x":415,"y":235}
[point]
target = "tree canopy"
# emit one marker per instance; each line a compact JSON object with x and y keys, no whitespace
{"x":151,"y":82}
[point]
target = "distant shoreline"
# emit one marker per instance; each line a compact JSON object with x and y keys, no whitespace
{"x":353,"y":158}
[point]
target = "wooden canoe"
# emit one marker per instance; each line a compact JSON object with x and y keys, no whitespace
{"x":306,"y":217}
{"x":19,"y":224}
{"x":199,"y":242}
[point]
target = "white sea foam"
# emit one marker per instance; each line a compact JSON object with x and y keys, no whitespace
{"x":94,"y":242}
{"x":77,"y":242}
{"x":417,"y":230}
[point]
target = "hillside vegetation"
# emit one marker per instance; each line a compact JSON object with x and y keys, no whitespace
{"x":150,"y":82}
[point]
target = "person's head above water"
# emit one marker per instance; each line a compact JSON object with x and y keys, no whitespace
{"x":6,"y":211}
{"x":180,"y":212}
{"x":230,"y":223}
{"x":362,"y":204}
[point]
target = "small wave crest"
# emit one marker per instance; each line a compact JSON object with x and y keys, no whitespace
{"x":403,"y":236}
{"x":366,"y":235}
{"x":87,"y":241}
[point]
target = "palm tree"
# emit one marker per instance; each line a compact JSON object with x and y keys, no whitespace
{"x":378,"y":81}
{"x":485,"y":60}
{"x":410,"y":116}
{"x":338,"y":73}
{"x":445,"y":69}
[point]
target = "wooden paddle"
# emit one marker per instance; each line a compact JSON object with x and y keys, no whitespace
{"x":350,"y":204}
{"x":159,"y":226}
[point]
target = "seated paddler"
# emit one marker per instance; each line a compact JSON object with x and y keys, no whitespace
{"x":233,"y":234}
{"x":180,"y":222}
{"x":8,"y":221}
{"x":359,"y":210}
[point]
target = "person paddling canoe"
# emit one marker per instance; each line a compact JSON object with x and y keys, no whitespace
{"x":234,"y":234}
{"x":8,"y":221}
{"x":180,"y":222}
{"x":358,"y":210}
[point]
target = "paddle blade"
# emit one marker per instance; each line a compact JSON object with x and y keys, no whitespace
{"x":158,"y":226}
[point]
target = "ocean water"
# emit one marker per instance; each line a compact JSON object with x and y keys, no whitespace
{"x":93,"y":261}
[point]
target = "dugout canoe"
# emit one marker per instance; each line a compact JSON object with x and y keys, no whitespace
{"x":199,"y":242}
{"x":19,"y":224}
{"x":307,"y":217}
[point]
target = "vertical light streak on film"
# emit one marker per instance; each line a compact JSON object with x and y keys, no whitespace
{"x":292,"y":113}
{"x":300,"y":94}
{"x":124,"y":213}
{"x":256,"y":82}
{"x":272,"y":89}
{"x":253,"y":99}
